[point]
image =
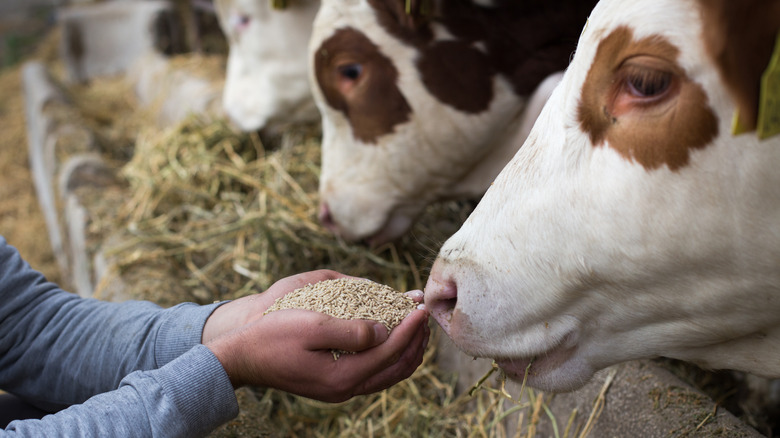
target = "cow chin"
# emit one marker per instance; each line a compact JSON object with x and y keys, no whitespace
{"x":528,"y":342}
{"x":557,"y":368}
{"x":396,"y":226}
{"x":372,"y":220}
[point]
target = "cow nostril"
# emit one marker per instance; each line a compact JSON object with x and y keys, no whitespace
{"x":446,"y":307}
{"x":324,"y":215}
{"x":441,"y":300}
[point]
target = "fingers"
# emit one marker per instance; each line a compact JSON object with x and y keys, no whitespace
{"x":410,"y":359}
{"x":406,"y":342}
{"x":416,"y":295}
{"x":347,"y":335}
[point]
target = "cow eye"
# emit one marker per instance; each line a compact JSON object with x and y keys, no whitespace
{"x":241,"y":21}
{"x":350,"y":71}
{"x":648,"y":83}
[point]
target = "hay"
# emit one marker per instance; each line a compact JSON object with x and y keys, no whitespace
{"x":211,"y":214}
{"x":235,"y":218}
{"x":219,"y":214}
{"x":423,"y":405}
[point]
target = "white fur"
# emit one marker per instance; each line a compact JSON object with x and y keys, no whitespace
{"x":576,"y":246}
{"x":267,"y":69}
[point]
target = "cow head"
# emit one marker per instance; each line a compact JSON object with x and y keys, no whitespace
{"x":632,"y":223}
{"x":267,"y":71}
{"x":417,"y":106}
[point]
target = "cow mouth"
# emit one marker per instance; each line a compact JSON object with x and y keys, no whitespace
{"x":395,"y":227}
{"x":391,"y":227}
{"x":536,"y":369}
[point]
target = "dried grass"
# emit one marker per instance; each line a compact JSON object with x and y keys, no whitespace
{"x":229,"y":218}
{"x":233,"y":218}
{"x":212,"y":214}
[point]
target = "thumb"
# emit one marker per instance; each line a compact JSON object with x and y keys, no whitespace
{"x":348,"y":335}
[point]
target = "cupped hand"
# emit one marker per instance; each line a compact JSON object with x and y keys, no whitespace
{"x":238,"y":313}
{"x":291,"y":349}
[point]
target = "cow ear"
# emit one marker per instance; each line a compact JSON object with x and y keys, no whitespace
{"x":740,"y":36}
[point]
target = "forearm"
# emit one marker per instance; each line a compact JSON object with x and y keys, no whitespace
{"x":57,"y":349}
{"x":188,"y":397}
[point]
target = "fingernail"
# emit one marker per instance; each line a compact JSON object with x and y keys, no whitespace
{"x":421,"y":306}
{"x":415,"y":294}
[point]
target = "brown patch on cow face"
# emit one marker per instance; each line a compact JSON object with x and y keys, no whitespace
{"x":412,"y":27}
{"x":361,"y":82}
{"x":524,"y":41}
{"x":740,"y":36}
{"x":458,"y":75}
{"x":638,"y":99}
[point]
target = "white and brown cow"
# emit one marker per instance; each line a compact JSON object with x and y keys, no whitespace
{"x":267,"y":69}
{"x":632,"y":223}
{"x":423,"y":105}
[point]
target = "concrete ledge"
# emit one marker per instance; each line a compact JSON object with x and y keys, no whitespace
{"x":39,"y":92}
{"x":640,"y":399}
{"x":63,"y":160}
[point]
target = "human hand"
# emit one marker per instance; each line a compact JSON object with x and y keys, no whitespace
{"x":240,"y":312}
{"x":291,"y":349}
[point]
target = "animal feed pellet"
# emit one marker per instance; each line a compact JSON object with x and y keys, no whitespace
{"x":350,"y":298}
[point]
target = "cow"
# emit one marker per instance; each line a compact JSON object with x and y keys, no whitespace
{"x":641,"y":217}
{"x":423,"y":105}
{"x":267,"y":78}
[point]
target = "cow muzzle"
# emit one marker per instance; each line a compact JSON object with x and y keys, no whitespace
{"x":441,"y":298}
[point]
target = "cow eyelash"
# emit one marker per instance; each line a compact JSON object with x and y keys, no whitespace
{"x":643,"y":82}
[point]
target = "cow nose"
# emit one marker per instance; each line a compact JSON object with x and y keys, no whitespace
{"x":441,"y":297}
{"x":326,"y":219}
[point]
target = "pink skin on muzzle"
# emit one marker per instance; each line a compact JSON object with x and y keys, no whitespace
{"x":441,"y":299}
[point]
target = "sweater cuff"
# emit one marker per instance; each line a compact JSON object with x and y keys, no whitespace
{"x":181,"y":330}
{"x":200,"y":388}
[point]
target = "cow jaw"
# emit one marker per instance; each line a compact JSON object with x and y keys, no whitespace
{"x":370,"y":191}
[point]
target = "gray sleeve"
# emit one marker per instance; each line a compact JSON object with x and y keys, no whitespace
{"x":188,"y":397}
{"x":57,"y":349}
